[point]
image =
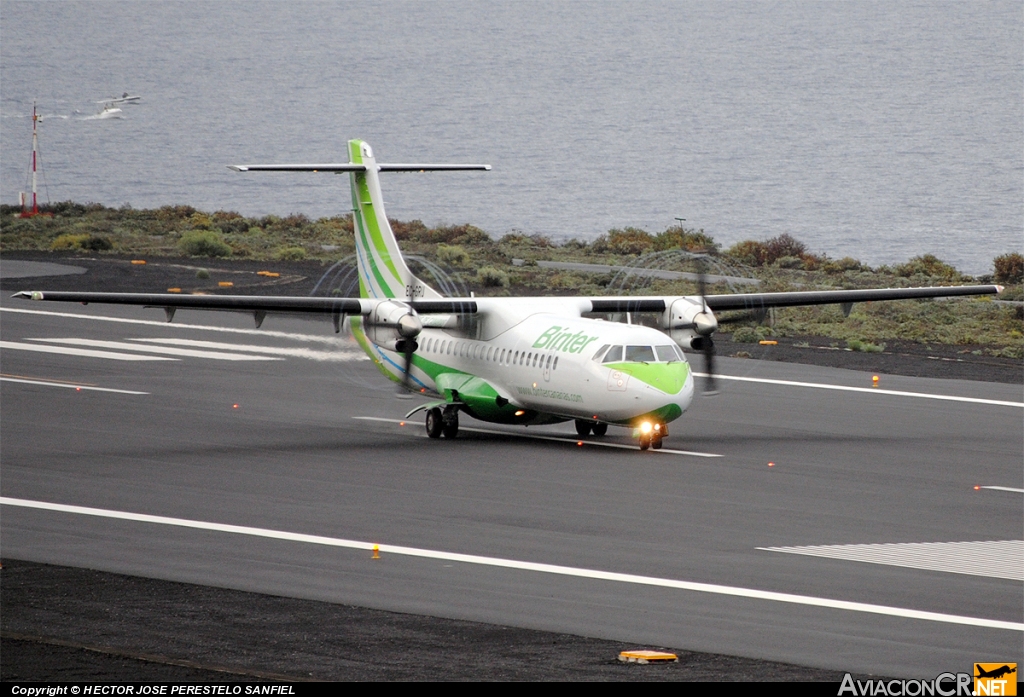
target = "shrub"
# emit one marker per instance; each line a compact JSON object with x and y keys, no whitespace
{"x":202,"y":274}
{"x":69,"y":241}
{"x":203,"y":243}
{"x":746,"y":335}
{"x":677,"y":237}
{"x":630,"y":240}
{"x":1009,"y":268}
{"x":864,"y":346}
{"x":754,"y":253}
{"x":928,"y":265}
{"x":453,"y":255}
{"x":491,"y":277}
{"x":290,"y":254}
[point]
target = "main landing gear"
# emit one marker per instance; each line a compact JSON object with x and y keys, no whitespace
{"x":444,"y":423}
{"x":584,"y":428}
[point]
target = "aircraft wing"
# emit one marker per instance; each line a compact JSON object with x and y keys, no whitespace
{"x":748,"y":301}
{"x":259,"y":305}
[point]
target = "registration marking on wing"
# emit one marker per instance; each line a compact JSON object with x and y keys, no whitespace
{"x":165,"y":350}
{"x":558,"y":439}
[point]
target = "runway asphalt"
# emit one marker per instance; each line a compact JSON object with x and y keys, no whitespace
{"x":304,"y":456}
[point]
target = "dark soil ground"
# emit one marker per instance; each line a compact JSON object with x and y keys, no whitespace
{"x":66,"y":624}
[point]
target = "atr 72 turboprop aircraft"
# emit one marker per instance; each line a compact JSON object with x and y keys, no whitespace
{"x":508,"y":360}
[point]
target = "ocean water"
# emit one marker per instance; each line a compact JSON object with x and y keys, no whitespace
{"x":875,"y":130}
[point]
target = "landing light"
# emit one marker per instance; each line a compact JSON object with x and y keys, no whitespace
{"x":645,"y":427}
{"x":520,"y":412}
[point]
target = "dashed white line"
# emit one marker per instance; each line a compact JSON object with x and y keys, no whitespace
{"x":71,"y":351}
{"x":558,"y":439}
{"x":553,"y":569}
{"x":995,"y":559}
{"x":166,"y":350}
{"x":339,"y":356}
{"x":70,"y":386}
{"x":153,"y":323}
{"x":869,"y":390}
{"x":1004,"y":488}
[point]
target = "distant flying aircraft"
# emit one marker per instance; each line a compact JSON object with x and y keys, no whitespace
{"x":523,"y":360}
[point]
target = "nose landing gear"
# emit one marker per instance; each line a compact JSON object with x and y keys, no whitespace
{"x":651,"y":435}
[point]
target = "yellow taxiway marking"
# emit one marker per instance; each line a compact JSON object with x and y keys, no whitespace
{"x":558,"y":439}
{"x":552,"y":569}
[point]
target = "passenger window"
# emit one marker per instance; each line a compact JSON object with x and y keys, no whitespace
{"x":549,"y":362}
{"x":639,"y":354}
{"x":555,"y":366}
{"x":614,"y":355}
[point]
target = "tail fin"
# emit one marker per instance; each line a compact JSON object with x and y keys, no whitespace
{"x":382,"y":270}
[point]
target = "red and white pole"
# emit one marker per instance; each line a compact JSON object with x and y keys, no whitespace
{"x":35,"y":151}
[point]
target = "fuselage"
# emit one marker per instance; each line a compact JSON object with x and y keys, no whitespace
{"x":517,"y":364}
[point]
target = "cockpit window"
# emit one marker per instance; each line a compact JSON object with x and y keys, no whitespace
{"x":600,"y":352}
{"x":638,"y":354}
{"x":614,"y":355}
{"x":668,"y":353}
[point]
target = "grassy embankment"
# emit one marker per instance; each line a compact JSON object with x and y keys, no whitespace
{"x":484,"y":265}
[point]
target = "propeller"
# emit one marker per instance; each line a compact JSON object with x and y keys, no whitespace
{"x":705,"y":325}
{"x":409,"y":327}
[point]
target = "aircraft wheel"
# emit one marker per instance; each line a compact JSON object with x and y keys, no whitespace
{"x":599,"y":429}
{"x":582,"y":428}
{"x":450,"y":422}
{"x":656,"y":441}
{"x":645,"y":441}
{"x":434,"y":423}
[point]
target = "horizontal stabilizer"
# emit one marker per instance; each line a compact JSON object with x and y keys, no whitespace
{"x":351,"y":167}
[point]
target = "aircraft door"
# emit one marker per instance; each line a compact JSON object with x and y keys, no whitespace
{"x":546,"y":363}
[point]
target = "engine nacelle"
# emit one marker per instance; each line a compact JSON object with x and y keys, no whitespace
{"x":689,"y":323}
{"x":393,"y":325}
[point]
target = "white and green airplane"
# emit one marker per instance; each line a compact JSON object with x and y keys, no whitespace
{"x":522,"y":360}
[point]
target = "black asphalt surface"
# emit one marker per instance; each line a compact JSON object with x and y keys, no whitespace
{"x":849,"y":468}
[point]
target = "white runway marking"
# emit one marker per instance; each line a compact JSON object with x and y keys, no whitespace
{"x":1004,"y":488}
{"x":68,"y":385}
{"x":1001,"y":559}
{"x":153,"y":323}
{"x":869,"y":390}
{"x":710,"y":588}
{"x":69,"y":351}
{"x":558,"y":439}
{"x":341,"y":356}
{"x":166,"y":350}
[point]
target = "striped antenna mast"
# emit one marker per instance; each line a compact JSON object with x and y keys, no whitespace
{"x":35,"y":159}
